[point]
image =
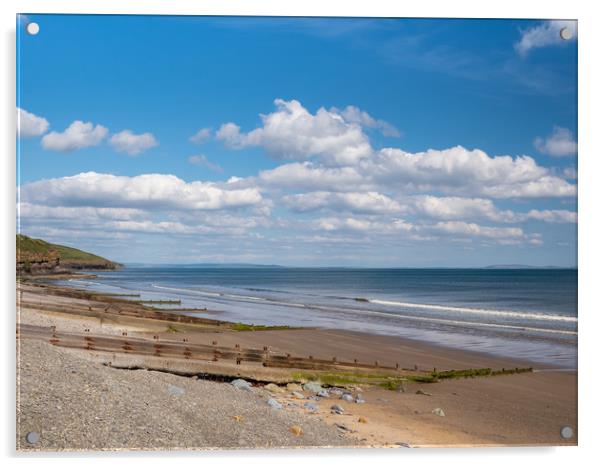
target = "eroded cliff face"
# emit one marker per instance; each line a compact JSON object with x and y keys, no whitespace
{"x":38,"y":257}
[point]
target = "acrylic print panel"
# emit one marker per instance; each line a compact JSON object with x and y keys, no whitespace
{"x":312,"y":232}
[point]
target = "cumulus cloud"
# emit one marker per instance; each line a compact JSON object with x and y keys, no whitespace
{"x":77,"y":136}
{"x":368,"y":202}
{"x":132,"y":144}
{"x":202,"y":161}
{"x":456,"y":170}
{"x":475,"y":230}
{"x":451,"y":208}
{"x":200,"y":136}
{"x":560,"y":143}
{"x":293,"y":133}
{"x":570,"y":173}
{"x":362,"y":225}
{"x":552,"y":216}
{"x":353,"y":114}
{"x":45,"y":212}
{"x":543,"y":35}
{"x":421,"y":206}
{"x":152,"y":191}
{"x":30,"y":125}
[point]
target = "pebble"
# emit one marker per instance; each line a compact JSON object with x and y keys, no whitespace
{"x":175,"y":391}
{"x":298,"y":395}
{"x":272,"y":403}
{"x":337,"y":409}
{"x":421,"y":392}
{"x":336,"y":391}
{"x":359,"y":399}
{"x":362,"y":420}
{"x":323,"y":393}
{"x":310,"y":406}
{"x":438,"y":412}
{"x":346,"y":397}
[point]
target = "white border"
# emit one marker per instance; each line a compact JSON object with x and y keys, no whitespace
{"x":590,"y":80}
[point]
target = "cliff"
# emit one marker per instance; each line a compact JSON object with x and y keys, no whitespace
{"x":38,"y":256}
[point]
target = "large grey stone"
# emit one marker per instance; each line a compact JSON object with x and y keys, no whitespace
{"x":241,"y":384}
{"x":313,"y":387}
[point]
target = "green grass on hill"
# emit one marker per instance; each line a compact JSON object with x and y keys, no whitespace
{"x":31,"y":248}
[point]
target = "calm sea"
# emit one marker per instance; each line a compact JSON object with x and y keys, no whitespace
{"x":528,"y":314}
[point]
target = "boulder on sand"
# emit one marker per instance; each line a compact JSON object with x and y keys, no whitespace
{"x":241,"y":384}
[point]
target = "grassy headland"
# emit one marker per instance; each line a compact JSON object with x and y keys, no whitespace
{"x":39,"y":256}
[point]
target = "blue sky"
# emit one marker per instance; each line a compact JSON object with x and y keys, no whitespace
{"x":383,"y":142}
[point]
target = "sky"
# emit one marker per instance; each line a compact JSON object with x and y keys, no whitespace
{"x":300,"y":141}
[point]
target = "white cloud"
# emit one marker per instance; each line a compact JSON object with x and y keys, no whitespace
{"x":200,"y":136}
{"x":77,"y":136}
{"x":452,"y":208}
{"x":543,"y":35}
{"x":76,"y":213}
{"x":202,"y":161}
{"x":553,"y":216}
{"x":369,"y":202}
{"x":558,"y":144}
{"x":30,"y":125}
{"x":132,"y":144}
{"x":451,"y":171}
{"x":306,"y":175}
{"x":570,"y":173}
{"x":474,"y":230}
{"x":152,"y":191}
{"x":353,"y":114}
{"x":293,"y":133}
{"x":362,"y":225}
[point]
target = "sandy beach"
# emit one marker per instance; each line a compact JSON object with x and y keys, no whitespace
{"x":147,"y":409}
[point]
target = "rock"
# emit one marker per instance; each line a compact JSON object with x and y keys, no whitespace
{"x":294,"y":387}
{"x":195,"y":377}
{"x":241,"y":384}
{"x":273,"y":388}
{"x":175,"y":391}
{"x":420,"y":392}
{"x":323,"y":393}
{"x":337,"y":409}
{"x":359,"y":399}
{"x":272,"y":403}
{"x":310,"y":406}
{"x":362,"y":420}
{"x":298,"y":395}
{"x":314,"y":397}
{"x":297,"y":431}
{"x":438,"y":412}
{"x":336,"y":391}
{"x":346,"y":397}
{"x":313,"y":387}
{"x":358,"y":389}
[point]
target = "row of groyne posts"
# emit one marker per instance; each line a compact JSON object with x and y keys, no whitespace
{"x":183,"y":349}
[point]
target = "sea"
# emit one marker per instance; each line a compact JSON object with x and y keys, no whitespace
{"x":528,"y":314}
